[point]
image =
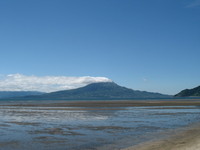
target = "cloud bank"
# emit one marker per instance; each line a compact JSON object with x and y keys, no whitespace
{"x":20,"y":82}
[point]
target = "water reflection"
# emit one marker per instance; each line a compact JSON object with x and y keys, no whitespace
{"x":86,"y":128}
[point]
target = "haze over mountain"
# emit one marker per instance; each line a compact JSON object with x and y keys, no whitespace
{"x":8,"y":94}
{"x":189,"y":92}
{"x":96,"y":91}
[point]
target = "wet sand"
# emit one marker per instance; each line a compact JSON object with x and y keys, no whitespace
{"x":187,"y":138}
{"x":109,"y":103}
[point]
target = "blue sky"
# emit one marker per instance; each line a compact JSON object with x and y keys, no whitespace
{"x":151,"y":45}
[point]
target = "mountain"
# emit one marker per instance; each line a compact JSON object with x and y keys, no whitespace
{"x":97,"y":91}
{"x":8,"y":94}
{"x":189,"y":92}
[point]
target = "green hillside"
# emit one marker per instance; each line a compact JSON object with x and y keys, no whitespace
{"x":189,"y":92}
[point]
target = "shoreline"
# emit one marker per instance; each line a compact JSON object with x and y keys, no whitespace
{"x":184,"y":138}
{"x":103,"y":103}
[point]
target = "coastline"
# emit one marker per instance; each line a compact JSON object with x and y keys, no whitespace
{"x":186,"y":138}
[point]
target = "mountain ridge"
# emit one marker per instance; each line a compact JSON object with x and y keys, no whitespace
{"x":194,"y":92}
{"x":96,"y":91}
{"x":8,"y":94}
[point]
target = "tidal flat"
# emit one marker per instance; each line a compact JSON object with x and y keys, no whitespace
{"x":90,"y":125}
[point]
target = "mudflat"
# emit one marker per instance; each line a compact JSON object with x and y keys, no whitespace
{"x":110,"y":103}
{"x":118,"y":124}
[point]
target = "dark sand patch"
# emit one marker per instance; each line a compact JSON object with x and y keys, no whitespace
{"x":4,"y":125}
{"x":24,"y":123}
{"x":175,"y":107}
{"x":106,"y":127}
{"x":49,"y":140}
{"x":112,"y":103}
{"x":13,"y":144}
{"x":54,"y":131}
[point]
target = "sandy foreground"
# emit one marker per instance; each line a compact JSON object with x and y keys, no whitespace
{"x":181,"y":139}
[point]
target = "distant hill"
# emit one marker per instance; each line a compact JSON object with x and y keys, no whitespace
{"x":8,"y":94}
{"x":189,"y":92}
{"x":97,"y":91}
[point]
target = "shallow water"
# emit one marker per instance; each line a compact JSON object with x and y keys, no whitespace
{"x":63,"y":128}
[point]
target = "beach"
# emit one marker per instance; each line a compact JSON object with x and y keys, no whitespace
{"x":100,"y":125}
{"x":187,"y":138}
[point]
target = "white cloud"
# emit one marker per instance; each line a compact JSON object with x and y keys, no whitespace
{"x":195,"y":3}
{"x":20,"y":82}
